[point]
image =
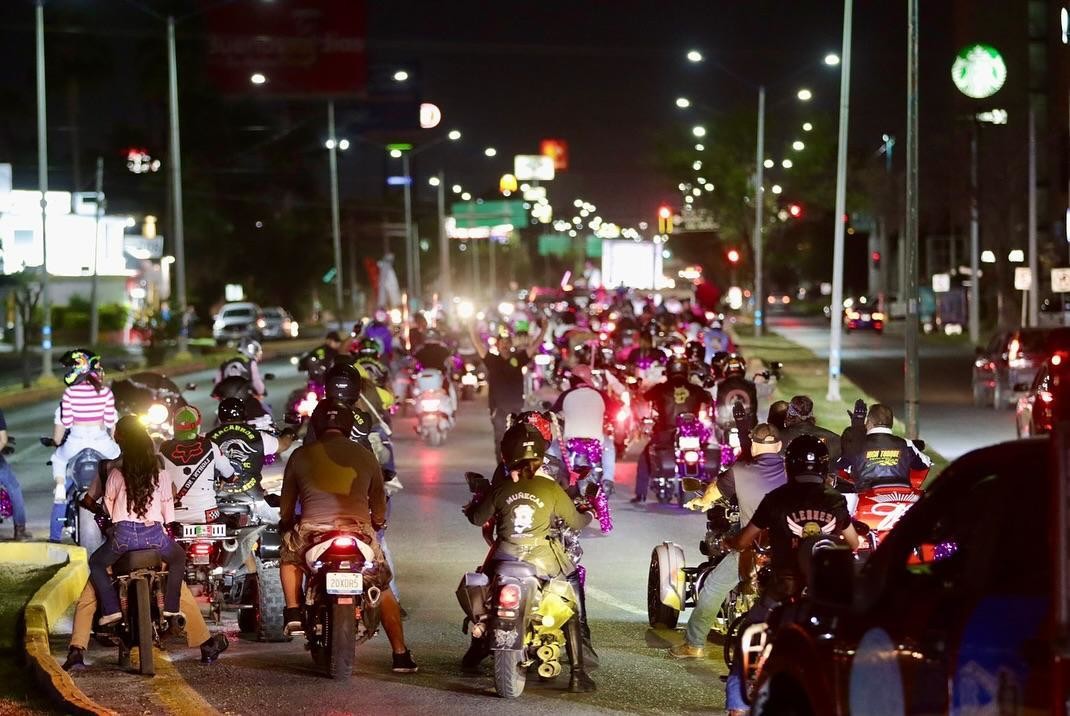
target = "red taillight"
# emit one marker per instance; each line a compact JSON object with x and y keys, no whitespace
{"x":623,"y":414}
{"x":1056,"y":359}
{"x":344,"y":542}
{"x":1045,"y":396}
{"x":509,"y":596}
{"x":201,"y":548}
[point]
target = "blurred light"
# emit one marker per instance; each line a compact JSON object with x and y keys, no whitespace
{"x":805,"y":95}
{"x":505,"y":308}
{"x":401,"y":76}
{"x":733,"y":256}
{"x":988,"y":257}
{"x":664,"y":212}
{"x":696,"y":191}
{"x":457,"y":189}
{"x":466,"y":196}
{"x":578,"y":203}
{"x":681,"y":186}
{"x":768,"y":163}
{"x":807,"y":126}
{"x":700,"y":147}
{"x":777,"y":189}
{"x":258,"y":78}
{"x":490,"y":151}
{"x":433,"y":181}
{"x":689,"y":199}
{"x":696,"y":165}
{"x":572,"y":233}
{"x":698,"y":130}
{"x":454,"y":135}
{"x":1016,"y":256}
{"x":694,"y":56}
{"x":683,"y":102}
{"x":395,"y":153}
{"x":465,"y":309}
{"x":787,"y":164}
{"x":701,"y":180}
{"x":343,"y":144}
{"x":832,"y":59}
{"x":795,"y":210}
{"x":329,"y":144}
{"x":798,"y":146}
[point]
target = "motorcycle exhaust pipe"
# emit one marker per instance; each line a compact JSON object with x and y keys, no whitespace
{"x":230,"y":545}
{"x":177,"y":623}
{"x":373,"y":595}
{"x":549,"y":652}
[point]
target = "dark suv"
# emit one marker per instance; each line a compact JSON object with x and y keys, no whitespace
{"x":1011,"y":360}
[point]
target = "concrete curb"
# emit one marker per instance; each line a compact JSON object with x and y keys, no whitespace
{"x":44,"y":609}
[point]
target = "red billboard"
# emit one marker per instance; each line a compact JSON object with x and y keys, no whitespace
{"x":557,"y":149}
{"x":292,"y":48}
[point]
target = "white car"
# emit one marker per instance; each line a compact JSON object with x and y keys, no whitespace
{"x":235,"y":321}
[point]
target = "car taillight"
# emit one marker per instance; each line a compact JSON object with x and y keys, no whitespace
{"x":1045,"y":396}
{"x":344,"y":542}
{"x":509,"y":596}
{"x":201,"y":548}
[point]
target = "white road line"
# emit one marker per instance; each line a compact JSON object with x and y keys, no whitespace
{"x":609,"y":600}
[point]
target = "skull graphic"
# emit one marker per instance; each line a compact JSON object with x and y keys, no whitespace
{"x":523,"y":515}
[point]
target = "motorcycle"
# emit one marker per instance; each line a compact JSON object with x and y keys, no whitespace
{"x":79,"y":523}
{"x":340,"y":611}
{"x":218,"y":559}
{"x":154,"y":399}
{"x":689,"y":454}
{"x":434,"y":406}
{"x":879,"y":509}
{"x":522,"y":615}
{"x":302,"y":402}
{"x":470,"y":376}
{"x":138,"y":577}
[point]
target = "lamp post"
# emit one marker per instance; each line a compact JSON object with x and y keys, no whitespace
{"x":445,"y":280}
{"x":759,"y":248}
{"x":176,"y":180}
{"x":42,"y":184}
{"x":336,"y":223}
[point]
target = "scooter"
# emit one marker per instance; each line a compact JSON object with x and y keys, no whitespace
{"x":434,"y":406}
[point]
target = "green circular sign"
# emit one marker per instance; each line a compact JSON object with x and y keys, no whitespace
{"x":979,"y":71}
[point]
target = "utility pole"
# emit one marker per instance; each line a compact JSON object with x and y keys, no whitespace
{"x":759,"y":196}
{"x":410,"y":260}
{"x":836,"y":321}
{"x":1034,"y":290}
{"x":911,"y":387}
{"x":445,"y":280}
{"x":176,"y":181}
{"x":42,"y":183}
{"x":94,"y":299}
{"x":336,"y":223}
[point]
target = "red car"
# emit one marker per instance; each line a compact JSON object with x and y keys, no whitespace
{"x":955,"y":612}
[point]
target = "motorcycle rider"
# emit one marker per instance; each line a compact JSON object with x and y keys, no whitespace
{"x":645,"y":354}
{"x":340,"y":486}
{"x":583,"y":410}
{"x":320,"y":358}
{"x":799,"y":420}
{"x":11,"y":486}
{"x":378,"y":329}
{"x":368,"y":357}
{"x":750,"y":479}
{"x":701,"y":374}
{"x":87,"y":411}
{"x":246,"y":364}
{"x":715,"y":339}
{"x":191,"y":461}
{"x":676,"y":396}
{"x":524,"y":507}
{"x":884,"y":458}
{"x":778,"y":413}
{"x":505,"y":376}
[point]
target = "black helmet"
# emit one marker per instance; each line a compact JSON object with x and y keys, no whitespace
{"x":522,"y":443}
{"x":677,"y":368}
{"x":332,"y":415}
{"x":695,"y":351}
{"x":343,"y":383}
{"x":231,"y":410}
{"x":734,"y":365}
{"x":807,"y":459}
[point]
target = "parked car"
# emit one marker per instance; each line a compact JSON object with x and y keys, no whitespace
{"x":957,"y":610}
{"x":1011,"y":360}
{"x":236,"y":320}
{"x":862,"y":314}
{"x":276,"y":323}
{"x":1035,"y":410}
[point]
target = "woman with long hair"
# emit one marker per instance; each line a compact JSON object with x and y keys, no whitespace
{"x":86,"y":414}
{"x":140,"y":504}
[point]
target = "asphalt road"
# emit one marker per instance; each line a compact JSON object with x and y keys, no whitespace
{"x":433,"y":545}
{"x":948,"y":419}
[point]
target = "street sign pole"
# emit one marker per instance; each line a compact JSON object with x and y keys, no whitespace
{"x":759,"y":195}
{"x":911,"y":373}
{"x":42,"y":182}
{"x":94,"y":298}
{"x":836,"y":321}
{"x":178,"y":222}
{"x":410,"y":266}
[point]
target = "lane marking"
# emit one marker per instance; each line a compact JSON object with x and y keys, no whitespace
{"x":173,"y":692}
{"x":609,"y":600}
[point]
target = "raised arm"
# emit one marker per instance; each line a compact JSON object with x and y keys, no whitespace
{"x":477,"y":342}
{"x":535,"y":340}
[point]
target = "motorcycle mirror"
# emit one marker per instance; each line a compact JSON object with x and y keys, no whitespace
{"x":269,"y":376}
{"x":272,"y":499}
{"x":191,"y":386}
{"x":692,"y":484}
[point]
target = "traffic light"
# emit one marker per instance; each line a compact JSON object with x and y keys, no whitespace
{"x":733,"y":256}
{"x":795,"y":211}
{"x":664,"y":220}
{"x":875,"y":257}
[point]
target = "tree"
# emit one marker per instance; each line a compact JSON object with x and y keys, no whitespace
{"x":25,"y":287}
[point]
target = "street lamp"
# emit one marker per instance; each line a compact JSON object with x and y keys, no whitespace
{"x":683,"y":102}
{"x":798,"y":145}
{"x":434,"y":181}
{"x":787,"y":164}
{"x":490,"y":152}
{"x":700,"y":147}
{"x":401,"y":76}
{"x":832,"y":59}
{"x":258,"y":78}
{"x":456,"y":189}
{"x":776,"y":189}
{"x":699,"y":131}
{"x":454,"y":135}
{"x":769,"y":163}
{"x":694,"y":56}
{"x":805,"y":95}
{"x":807,"y":127}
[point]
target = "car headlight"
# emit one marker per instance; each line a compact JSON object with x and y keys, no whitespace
{"x":293,"y":329}
{"x":261,"y":323}
{"x":157,"y":414}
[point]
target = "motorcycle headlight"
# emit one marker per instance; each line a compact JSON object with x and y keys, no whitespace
{"x":157,"y":414}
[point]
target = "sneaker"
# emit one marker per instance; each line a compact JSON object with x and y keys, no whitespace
{"x":211,"y":649}
{"x":686,"y":651}
{"x":292,"y":618}
{"x":74,"y":661}
{"x":404,"y":664}
{"x":21,"y":535}
{"x":110,"y":619}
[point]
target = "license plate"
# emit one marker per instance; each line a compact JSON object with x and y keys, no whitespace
{"x":210,"y":531}
{"x":689,"y":442}
{"x":345,"y":583}
{"x":201,"y":559}
{"x":865,"y":316}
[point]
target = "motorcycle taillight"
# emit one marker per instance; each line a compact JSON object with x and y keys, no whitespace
{"x":509,"y":596}
{"x":200,"y":548}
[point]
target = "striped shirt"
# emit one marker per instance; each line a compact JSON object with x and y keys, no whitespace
{"x":82,"y":403}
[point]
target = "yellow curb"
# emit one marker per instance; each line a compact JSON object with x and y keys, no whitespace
{"x":173,"y":692}
{"x":43,"y":610}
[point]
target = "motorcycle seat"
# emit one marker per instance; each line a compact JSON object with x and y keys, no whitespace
{"x":137,"y":559}
{"x":515,"y":569}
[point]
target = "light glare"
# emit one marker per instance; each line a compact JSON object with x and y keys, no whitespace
{"x":698,"y":130}
{"x":805,"y":95}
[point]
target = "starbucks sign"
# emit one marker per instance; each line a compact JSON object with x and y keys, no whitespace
{"x":979,"y":71}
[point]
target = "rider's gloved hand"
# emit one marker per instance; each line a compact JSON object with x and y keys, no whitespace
{"x":858,"y":415}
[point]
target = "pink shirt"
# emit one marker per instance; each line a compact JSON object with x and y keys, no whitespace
{"x":161,"y":507}
{"x":82,"y":403}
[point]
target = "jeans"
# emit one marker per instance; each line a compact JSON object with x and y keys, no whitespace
{"x":498,"y":418}
{"x":642,"y":475}
{"x":127,"y":536}
{"x":10,"y":483}
{"x":58,"y":519}
{"x":719,"y":582}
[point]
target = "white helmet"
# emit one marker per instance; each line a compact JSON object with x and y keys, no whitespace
{"x":251,"y":349}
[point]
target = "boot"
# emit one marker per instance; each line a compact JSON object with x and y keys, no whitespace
{"x":590,"y":656}
{"x":477,"y":652}
{"x":579,"y":682}
{"x":21,"y":535}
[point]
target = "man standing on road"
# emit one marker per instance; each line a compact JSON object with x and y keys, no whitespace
{"x":339,"y":485}
{"x":505,"y":377}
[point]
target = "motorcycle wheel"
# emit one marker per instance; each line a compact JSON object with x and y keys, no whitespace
{"x":731,"y":639}
{"x":468,"y":393}
{"x":341,"y":640}
{"x":142,"y":602}
{"x":509,"y":675}
{"x":269,"y":603}
{"x":435,"y":438}
{"x":658,"y":612}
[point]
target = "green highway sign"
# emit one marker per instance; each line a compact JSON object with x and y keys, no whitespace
{"x":399,"y":146}
{"x":488,"y":214}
